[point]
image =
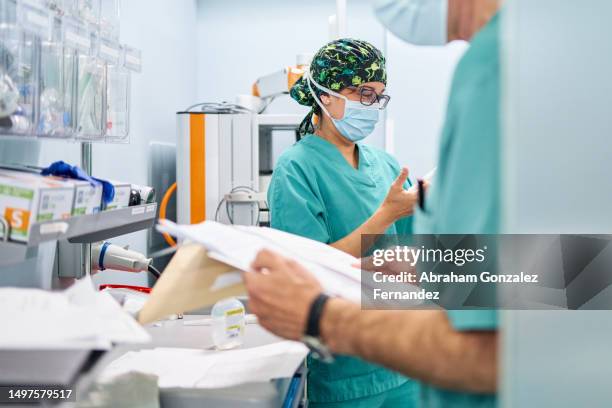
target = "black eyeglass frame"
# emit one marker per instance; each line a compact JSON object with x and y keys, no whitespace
{"x":382,"y":99}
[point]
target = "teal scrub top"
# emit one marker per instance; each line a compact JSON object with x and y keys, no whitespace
{"x":464,"y":196}
{"x":316,"y":193}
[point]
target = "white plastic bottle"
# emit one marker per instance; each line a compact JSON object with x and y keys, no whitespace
{"x":228,"y":323}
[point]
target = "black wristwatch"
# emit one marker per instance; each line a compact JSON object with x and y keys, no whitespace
{"x":312,"y":335}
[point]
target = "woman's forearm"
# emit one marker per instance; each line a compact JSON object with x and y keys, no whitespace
{"x":418,"y":343}
{"x":398,"y":203}
{"x":377,"y":224}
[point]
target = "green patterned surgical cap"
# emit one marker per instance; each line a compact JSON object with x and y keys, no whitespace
{"x":337,"y":65}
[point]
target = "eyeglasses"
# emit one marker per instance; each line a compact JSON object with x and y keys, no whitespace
{"x":368,"y":97}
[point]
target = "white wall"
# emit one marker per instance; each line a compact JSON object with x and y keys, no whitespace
{"x":165,"y":31}
{"x":419,"y":81}
{"x":237,"y":44}
{"x":241,"y":40}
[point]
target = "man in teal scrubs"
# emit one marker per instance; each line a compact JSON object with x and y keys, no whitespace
{"x":454,"y":354}
{"x":464,"y":196}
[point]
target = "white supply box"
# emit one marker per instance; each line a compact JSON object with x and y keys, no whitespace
{"x":122,"y":196}
{"x":26,"y":198}
{"x":87,"y":198}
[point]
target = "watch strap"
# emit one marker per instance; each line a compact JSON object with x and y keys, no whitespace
{"x":314,"y":316}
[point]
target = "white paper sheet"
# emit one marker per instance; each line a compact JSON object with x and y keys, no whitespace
{"x":78,"y":317}
{"x":238,"y":246}
{"x":193,"y":368}
{"x":227,"y":279}
{"x":430,"y":175}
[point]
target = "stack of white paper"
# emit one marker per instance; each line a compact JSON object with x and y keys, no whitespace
{"x":238,"y":246}
{"x":193,"y":368}
{"x":78,"y":317}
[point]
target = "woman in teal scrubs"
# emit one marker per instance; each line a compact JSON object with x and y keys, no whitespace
{"x":334,"y":189}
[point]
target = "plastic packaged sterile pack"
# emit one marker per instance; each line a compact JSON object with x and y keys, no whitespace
{"x":91,"y":94}
{"x":132,"y":59}
{"x":89,"y":10}
{"x":22,"y":26}
{"x":70,"y":7}
{"x":62,"y":7}
{"x":57,"y":85}
{"x":109,"y":19}
{"x":118,"y":87}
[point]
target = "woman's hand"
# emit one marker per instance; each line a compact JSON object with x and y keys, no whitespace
{"x":399,"y":202}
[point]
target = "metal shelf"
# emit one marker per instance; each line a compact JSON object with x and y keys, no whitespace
{"x":82,"y":229}
{"x":108,"y":224}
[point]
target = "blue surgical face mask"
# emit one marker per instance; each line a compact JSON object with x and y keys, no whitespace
{"x":419,"y":22}
{"x":358,"y":121}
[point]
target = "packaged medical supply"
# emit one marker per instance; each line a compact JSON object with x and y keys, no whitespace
{"x":117,"y":103}
{"x":89,"y":10}
{"x":110,"y":55}
{"x":122,"y":196}
{"x":22,"y":27}
{"x":62,"y":169}
{"x":147,"y":194}
{"x":109,"y":18}
{"x":26,"y":198}
{"x":118,"y":74}
{"x":87,"y":197}
{"x":91,"y":93}
{"x":228,"y":323}
{"x":57,"y":83}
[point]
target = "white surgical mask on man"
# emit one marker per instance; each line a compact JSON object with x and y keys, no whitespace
{"x":419,"y":22}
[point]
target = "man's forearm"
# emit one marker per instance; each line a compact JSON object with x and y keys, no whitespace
{"x":418,"y":343}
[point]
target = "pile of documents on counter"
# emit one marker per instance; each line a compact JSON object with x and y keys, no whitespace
{"x":77,"y":318}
